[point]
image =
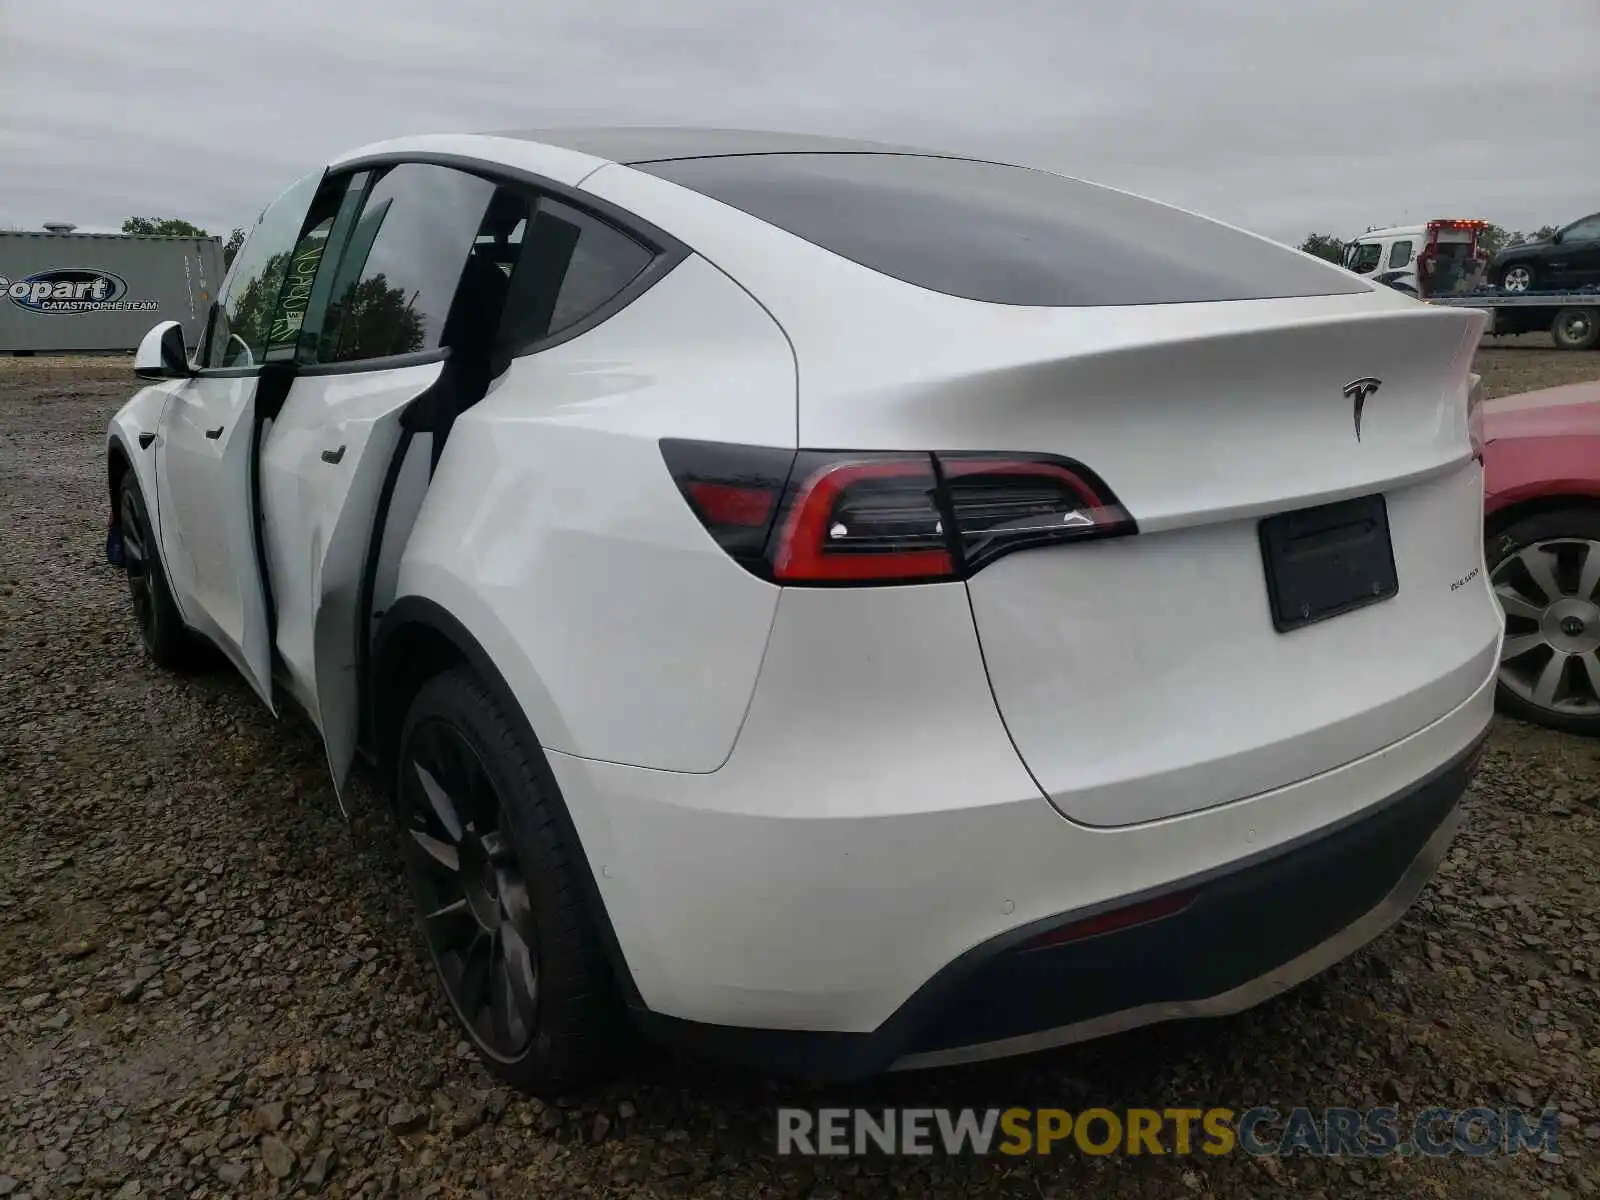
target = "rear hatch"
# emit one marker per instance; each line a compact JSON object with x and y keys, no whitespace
{"x":1213,"y":381}
{"x":1146,"y":676}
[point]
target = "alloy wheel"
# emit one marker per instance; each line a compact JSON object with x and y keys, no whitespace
{"x":471,"y":893}
{"x":136,"y":562}
{"x":1551,"y":656}
{"x":1516,"y":279}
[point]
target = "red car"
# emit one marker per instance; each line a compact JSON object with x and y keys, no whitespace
{"x":1541,"y":456}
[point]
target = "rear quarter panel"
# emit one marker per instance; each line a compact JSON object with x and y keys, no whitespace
{"x":553,"y":531}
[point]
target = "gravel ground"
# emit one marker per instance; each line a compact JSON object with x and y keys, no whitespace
{"x":209,"y":984}
{"x":1526,"y":362}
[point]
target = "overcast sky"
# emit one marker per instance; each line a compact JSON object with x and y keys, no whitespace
{"x":1328,"y":115}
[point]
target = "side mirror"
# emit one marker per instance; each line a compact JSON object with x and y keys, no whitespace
{"x":162,"y":354}
{"x":1556,"y":237}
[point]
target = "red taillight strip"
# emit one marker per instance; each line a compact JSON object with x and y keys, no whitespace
{"x":800,"y":547}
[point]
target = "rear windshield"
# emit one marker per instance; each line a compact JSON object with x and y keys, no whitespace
{"x":1003,"y":234}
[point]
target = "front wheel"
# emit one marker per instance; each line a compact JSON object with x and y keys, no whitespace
{"x":160,"y":627}
{"x":1545,"y":571}
{"x":496,"y":893}
{"x":1518,"y":277}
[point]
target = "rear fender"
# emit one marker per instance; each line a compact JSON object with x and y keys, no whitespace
{"x":492,"y":656}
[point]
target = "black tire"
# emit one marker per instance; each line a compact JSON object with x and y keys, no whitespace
{"x":161,"y":629}
{"x":1576,"y":328}
{"x":1533,"y":277}
{"x":1509,"y":268}
{"x":1560,"y":540}
{"x":521,"y":921}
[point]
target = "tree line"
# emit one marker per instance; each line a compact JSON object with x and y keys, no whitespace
{"x":177,"y":227}
{"x":1491,"y":240}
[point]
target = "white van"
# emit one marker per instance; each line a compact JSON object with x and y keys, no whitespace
{"x":1392,"y":256}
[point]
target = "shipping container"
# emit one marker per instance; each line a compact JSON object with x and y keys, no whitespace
{"x":69,"y":292}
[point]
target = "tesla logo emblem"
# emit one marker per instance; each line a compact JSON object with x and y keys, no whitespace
{"x":1357,"y":391}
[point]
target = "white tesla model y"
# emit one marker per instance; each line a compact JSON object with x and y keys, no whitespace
{"x":834,"y":606}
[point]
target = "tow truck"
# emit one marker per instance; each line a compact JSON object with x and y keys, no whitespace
{"x":1450,"y":270}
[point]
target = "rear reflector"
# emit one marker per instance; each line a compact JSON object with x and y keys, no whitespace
{"x":1118,"y":918}
{"x":836,"y":518}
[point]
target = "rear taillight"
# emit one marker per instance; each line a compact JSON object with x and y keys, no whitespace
{"x":862,"y":519}
{"x":1005,"y":502}
{"x":824,"y":517}
{"x":734,"y":490}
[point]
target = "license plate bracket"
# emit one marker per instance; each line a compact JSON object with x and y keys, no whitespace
{"x":1327,"y":560}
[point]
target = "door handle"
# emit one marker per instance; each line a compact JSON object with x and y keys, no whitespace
{"x":333,"y":456}
{"x":214,"y":434}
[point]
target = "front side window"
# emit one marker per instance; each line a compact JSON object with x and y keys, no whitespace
{"x":398,"y":275}
{"x":303,"y":299}
{"x":1399,"y":254}
{"x":1364,"y":259}
{"x":1001,"y":234}
{"x":242,"y":320}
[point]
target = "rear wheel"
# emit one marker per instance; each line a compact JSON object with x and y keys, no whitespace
{"x":1576,"y":328}
{"x":496,"y":893}
{"x":1545,"y":570}
{"x":160,"y":627}
{"x":1518,"y":277}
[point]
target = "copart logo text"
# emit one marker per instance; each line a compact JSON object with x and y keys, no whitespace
{"x":67,"y":290}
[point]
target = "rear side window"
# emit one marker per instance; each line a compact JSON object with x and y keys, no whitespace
{"x":398,"y":275}
{"x":571,"y":264}
{"x":1003,"y":234}
{"x":1399,"y":254}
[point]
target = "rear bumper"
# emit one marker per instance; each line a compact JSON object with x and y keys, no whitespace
{"x":1252,"y":930}
{"x":873,"y":845}
{"x":1255,"y":931}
